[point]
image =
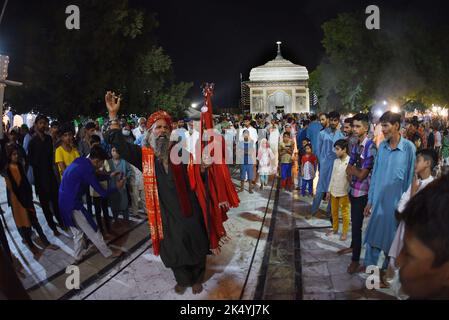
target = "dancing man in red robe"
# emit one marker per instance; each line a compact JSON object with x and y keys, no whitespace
{"x":186,"y":205}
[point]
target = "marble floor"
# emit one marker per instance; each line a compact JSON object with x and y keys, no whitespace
{"x":144,"y":277}
{"x":323,"y":272}
{"x":294,"y":259}
{"x":43,"y":275}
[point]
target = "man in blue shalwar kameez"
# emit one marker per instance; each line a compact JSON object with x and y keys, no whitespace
{"x":313,"y":132}
{"x":392,"y":175}
{"x":75,"y":183}
{"x":326,"y":156}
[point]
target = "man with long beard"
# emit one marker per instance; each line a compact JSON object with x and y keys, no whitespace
{"x":177,"y":227}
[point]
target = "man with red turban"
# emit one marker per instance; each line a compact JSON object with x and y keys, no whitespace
{"x":177,"y":226}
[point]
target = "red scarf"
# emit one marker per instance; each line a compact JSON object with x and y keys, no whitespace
{"x":152,"y":196}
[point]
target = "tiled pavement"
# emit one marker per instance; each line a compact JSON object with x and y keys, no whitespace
{"x":145,"y":277}
{"x":323,"y":273}
{"x":43,"y":275}
{"x":294,"y":259}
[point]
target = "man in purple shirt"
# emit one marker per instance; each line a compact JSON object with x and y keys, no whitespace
{"x":359,"y":169}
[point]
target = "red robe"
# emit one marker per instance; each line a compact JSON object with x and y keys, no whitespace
{"x":220,"y":187}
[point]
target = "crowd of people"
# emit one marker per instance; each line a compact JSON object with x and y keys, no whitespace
{"x":362,"y":167}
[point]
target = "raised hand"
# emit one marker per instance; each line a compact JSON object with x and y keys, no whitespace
{"x":112,"y":103}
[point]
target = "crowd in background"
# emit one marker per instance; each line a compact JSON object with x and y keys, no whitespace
{"x":347,"y":161}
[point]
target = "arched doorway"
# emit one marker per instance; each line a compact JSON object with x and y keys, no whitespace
{"x":280,"y":100}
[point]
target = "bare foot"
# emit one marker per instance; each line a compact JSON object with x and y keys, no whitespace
{"x":36,"y":252}
{"x":344,"y":237}
{"x":320,"y":215}
{"x":329,"y":233}
{"x":354,"y":267}
{"x":116,"y":253}
{"x":344,"y":251}
{"x":197,"y":288}
{"x":52,"y":247}
{"x":180,"y":289}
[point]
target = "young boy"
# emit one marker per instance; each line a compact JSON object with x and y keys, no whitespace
{"x":309,"y":164}
{"x":426,"y":161}
{"x":246,"y":150}
{"x":301,"y":151}
{"x":424,"y":259}
{"x":338,"y":189}
{"x":285,"y":157}
{"x":66,"y":153}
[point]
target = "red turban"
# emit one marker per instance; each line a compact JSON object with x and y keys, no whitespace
{"x":159,"y":115}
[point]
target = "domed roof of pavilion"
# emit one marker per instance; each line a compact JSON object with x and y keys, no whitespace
{"x":279,"y":69}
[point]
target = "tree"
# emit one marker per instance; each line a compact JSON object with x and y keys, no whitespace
{"x":66,"y":72}
{"x":404,"y":61}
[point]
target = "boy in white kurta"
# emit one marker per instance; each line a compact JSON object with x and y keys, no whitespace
{"x":338,"y":189}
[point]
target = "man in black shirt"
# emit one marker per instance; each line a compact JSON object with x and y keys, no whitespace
{"x":40,"y":153}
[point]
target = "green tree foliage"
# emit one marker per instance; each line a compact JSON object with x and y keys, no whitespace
{"x":67,"y":72}
{"x":406,"y":61}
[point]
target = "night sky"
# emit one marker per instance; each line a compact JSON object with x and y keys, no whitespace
{"x":215,"y":41}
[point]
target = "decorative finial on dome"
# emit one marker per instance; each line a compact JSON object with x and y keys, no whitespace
{"x":279,"y":56}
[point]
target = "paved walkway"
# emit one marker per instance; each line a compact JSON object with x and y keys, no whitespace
{"x":143,"y":276}
{"x":319,"y":273}
{"x":283,"y":257}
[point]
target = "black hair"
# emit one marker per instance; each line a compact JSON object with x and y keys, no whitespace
{"x":308,"y":146}
{"x":429,"y":155}
{"x":324,"y":114}
{"x":362,"y":117}
{"x":245,"y":131}
{"x":342,"y":143}
{"x":416,"y":137}
{"x":391,"y":118}
{"x":55,"y":124}
{"x":305,"y":123}
{"x":90,"y":125}
{"x":313,"y":117}
{"x":10,"y":148}
{"x":427,"y":217}
{"x":305,"y":139}
{"x":41,"y":117}
{"x":287,"y":134}
{"x":67,"y":127}
{"x":334,"y":115}
{"x":98,"y":153}
{"x":349,"y":120}
{"x":95,"y":139}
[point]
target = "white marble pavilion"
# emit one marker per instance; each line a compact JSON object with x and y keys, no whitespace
{"x":278,"y":85}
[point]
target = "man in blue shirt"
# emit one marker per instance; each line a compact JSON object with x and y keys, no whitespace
{"x":75,"y":183}
{"x":313,"y":131}
{"x":392,"y":175}
{"x":326,"y":156}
